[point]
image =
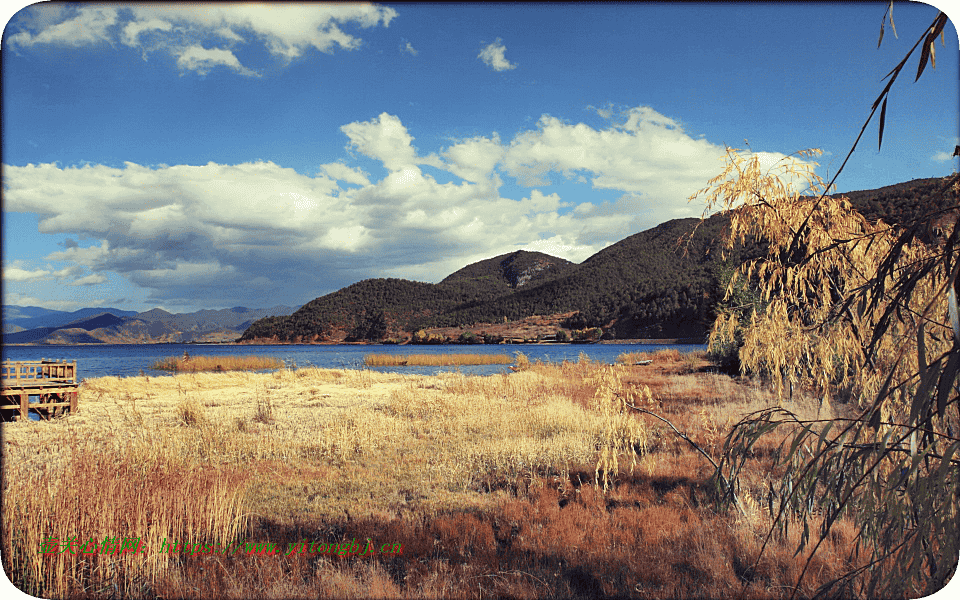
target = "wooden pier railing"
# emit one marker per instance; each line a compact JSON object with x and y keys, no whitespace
{"x":53,"y":383}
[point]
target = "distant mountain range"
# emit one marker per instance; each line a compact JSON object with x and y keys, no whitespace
{"x":649,"y":285}
{"x":34,"y":325}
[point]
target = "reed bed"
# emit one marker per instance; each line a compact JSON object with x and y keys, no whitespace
{"x":435,"y":360}
{"x":90,"y":521}
{"x":493,"y":486}
{"x":195,"y":364}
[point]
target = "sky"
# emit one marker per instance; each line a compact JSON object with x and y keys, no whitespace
{"x":190,"y":155}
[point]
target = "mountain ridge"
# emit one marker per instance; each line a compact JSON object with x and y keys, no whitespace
{"x":131,"y":327}
{"x":648,"y":285}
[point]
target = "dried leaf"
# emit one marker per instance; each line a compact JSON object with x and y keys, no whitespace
{"x":954,"y":314}
{"x":947,"y":379}
{"x":883,"y":118}
{"x":892,"y":25}
{"x":929,"y":376}
{"x":924,"y":55}
{"x":921,"y":350}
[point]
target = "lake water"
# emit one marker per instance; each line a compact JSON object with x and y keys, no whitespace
{"x":125,"y":360}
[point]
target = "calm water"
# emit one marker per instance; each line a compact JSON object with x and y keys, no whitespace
{"x":126,"y":360}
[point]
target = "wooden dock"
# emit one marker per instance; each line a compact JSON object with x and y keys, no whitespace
{"x":52,"y":384}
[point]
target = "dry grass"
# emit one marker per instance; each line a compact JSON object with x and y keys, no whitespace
{"x":196,"y":364}
{"x":489,"y":483}
{"x":438,"y":360}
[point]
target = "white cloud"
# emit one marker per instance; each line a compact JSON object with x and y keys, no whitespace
{"x":202,"y":60}
{"x":17,"y":274}
{"x":265,"y":234}
{"x":647,"y":153}
{"x":92,"y":279}
{"x":133,"y":29}
{"x":408,"y":48}
{"x":385,"y":139}
{"x":493,"y":55}
{"x":186,"y":31}
{"x":943,"y":156}
{"x":342,"y":172}
{"x":89,"y":25}
{"x":474,"y":159}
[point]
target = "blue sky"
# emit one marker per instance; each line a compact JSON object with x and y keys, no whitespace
{"x":191,"y":156}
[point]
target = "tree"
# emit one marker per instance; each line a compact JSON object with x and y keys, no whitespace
{"x":867,"y":314}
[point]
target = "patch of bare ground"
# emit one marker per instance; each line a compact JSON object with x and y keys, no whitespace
{"x":488,"y":484}
{"x":529,"y":328}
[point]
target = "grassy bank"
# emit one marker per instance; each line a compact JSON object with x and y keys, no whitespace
{"x":193,"y":364}
{"x":490,"y":484}
{"x":438,"y":360}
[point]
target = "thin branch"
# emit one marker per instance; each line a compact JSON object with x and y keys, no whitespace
{"x":727,"y":487}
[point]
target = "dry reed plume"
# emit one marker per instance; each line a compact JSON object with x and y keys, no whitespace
{"x":440,"y":360}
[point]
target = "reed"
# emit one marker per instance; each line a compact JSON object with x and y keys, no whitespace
{"x":59,"y":512}
{"x":632,"y":358}
{"x":196,"y":364}
{"x":435,"y":360}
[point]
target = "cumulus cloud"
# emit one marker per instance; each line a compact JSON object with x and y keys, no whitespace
{"x":265,"y":234}
{"x":385,"y":139}
{"x":493,"y":55}
{"x":641,"y":151}
{"x":90,"y":25}
{"x":18,"y":274}
{"x":203,"y":36}
{"x":408,"y":48}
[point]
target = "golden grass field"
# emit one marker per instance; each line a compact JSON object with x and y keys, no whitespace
{"x":489,"y":483}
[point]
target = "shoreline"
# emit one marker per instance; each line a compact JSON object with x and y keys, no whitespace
{"x":637,"y":341}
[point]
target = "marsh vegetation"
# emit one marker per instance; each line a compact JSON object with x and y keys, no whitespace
{"x":441,"y":360}
{"x":493,"y":485}
{"x":193,"y":364}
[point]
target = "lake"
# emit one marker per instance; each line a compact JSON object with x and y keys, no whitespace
{"x":126,"y":360}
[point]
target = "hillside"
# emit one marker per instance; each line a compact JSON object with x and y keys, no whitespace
{"x":648,"y":285}
{"x":374,"y":309}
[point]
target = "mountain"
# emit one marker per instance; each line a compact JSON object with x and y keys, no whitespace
{"x":378,"y":308}
{"x":649,"y":285}
{"x":638,"y":273}
{"x":497,"y":276}
{"x":104,"y":326}
{"x":32,"y":317}
{"x":238,"y":317}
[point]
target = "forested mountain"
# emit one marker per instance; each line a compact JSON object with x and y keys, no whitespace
{"x":901,"y":202}
{"x":649,"y":285}
{"x":497,"y":276}
{"x":377,"y":308}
